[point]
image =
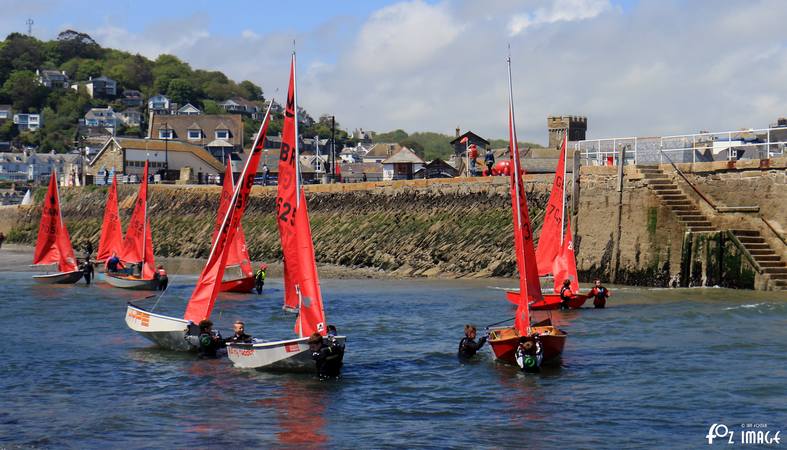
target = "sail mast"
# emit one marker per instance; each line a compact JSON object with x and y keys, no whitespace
{"x":297,"y":147}
{"x":563,"y":212}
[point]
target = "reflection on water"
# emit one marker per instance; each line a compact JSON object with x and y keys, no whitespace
{"x":653,"y":368}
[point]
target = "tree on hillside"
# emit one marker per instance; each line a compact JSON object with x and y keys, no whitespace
{"x":23,"y":90}
{"x":413,"y":145}
{"x":180,"y":91}
{"x":20,"y":52}
{"x":251,"y":90}
{"x":391,"y":136}
{"x":133,"y":72}
{"x":80,"y":69}
{"x":167,"y":68}
{"x":73,"y":44}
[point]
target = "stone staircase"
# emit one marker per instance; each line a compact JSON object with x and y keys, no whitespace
{"x":771,"y":264}
{"x":679,"y":203}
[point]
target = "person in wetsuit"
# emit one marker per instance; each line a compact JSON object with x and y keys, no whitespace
{"x":599,"y":294}
{"x":565,"y":294}
{"x":208,"y":341}
{"x":112,"y":263}
{"x":163,"y":279}
{"x":87,"y":271}
{"x":468,"y":346}
{"x":259,"y":278}
{"x":529,"y":354}
{"x":328,"y":355}
{"x":240,"y":335}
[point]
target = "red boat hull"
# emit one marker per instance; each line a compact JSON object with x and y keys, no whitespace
{"x":244,"y":285}
{"x":504,"y":342}
{"x":550,"y":302}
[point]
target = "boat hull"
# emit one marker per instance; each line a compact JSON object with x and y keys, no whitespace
{"x":290,"y":355}
{"x":550,"y":301}
{"x":166,"y":332}
{"x":59,"y":278}
{"x":244,"y":285}
{"x":137,"y":284}
{"x":505,"y":340}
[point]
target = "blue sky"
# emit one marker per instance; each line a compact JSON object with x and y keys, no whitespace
{"x":634,"y":67}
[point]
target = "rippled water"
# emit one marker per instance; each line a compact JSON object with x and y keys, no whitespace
{"x":655,"y":369}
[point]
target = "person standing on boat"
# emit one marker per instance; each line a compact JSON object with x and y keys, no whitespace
{"x":468,"y":346}
{"x":259,"y":278}
{"x":208,"y":342}
{"x":489,"y":160}
{"x":599,"y":294}
{"x":87,"y":271}
{"x":163,"y":280}
{"x":566,"y":294}
{"x":240,"y":335}
{"x":112,"y":263}
{"x":328,"y":356}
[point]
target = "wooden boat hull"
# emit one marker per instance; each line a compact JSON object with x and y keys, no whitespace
{"x":59,"y":278}
{"x":166,"y":332}
{"x":137,"y":284}
{"x":290,"y":355}
{"x":550,"y":302}
{"x":244,"y":285}
{"x":504,"y":341}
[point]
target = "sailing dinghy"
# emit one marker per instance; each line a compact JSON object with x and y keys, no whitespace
{"x":555,"y":250}
{"x":505,"y":340}
{"x":301,"y":283}
{"x":238,"y":276}
{"x":170,"y":332}
{"x":54,"y":244}
{"x":138,"y":246}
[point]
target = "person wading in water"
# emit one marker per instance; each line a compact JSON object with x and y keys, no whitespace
{"x":259,"y":278}
{"x":599,"y":294}
{"x":468,"y":346}
{"x":565,"y":294}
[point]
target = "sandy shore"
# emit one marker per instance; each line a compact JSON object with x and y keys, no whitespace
{"x":17,"y":258}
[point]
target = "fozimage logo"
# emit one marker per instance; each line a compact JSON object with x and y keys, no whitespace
{"x":749,"y":433}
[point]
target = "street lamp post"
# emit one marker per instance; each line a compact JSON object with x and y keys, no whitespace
{"x":166,"y":152}
{"x":332,"y":156}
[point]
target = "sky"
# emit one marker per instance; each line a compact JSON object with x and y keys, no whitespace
{"x":633,"y":67}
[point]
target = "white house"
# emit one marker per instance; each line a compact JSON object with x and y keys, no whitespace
{"x":158,"y":104}
{"x":130,"y":117}
{"x":189,"y":110}
{"x":402,"y":165}
{"x":100,"y":87}
{"x":101,"y":117}
{"x":52,"y":78}
{"x":6,"y":112}
{"x":31,"y":122}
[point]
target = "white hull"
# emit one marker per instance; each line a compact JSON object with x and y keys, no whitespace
{"x":59,"y":278}
{"x":292,"y":355}
{"x":166,"y":332}
{"x":136,"y":284}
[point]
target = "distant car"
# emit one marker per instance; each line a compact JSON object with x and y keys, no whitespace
{"x":272,"y":181}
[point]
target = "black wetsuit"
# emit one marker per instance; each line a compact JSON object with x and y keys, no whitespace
{"x":242,"y":338}
{"x":469,"y":347}
{"x":259,"y":280}
{"x":208,"y":344}
{"x":565,"y":298}
{"x":329,"y":358}
{"x":87,"y":271}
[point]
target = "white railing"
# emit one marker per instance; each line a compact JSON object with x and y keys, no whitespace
{"x":687,"y":148}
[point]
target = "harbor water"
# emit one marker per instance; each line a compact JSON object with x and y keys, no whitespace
{"x":655,"y":369}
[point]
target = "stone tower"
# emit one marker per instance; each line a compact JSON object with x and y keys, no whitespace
{"x":577,"y":127}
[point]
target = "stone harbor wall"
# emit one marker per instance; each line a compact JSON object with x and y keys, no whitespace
{"x":445,"y":228}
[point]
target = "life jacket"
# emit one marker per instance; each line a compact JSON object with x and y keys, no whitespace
{"x":564,"y":295}
{"x":260,"y":275}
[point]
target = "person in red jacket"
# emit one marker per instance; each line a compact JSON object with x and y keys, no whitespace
{"x":565,"y":294}
{"x":599,"y":294}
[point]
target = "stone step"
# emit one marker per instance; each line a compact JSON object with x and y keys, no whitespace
{"x":745,"y":232}
{"x":775,"y":264}
{"x":697,"y":229}
{"x":781,"y":282}
{"x":751,"y":239}
{"x":666,"y":191}
{"x":674,"y":197}
{"x":761,"y":251}
{"x":762,"y":246}
{"x":697,"y":223}
{"x":661,"y":188}
{"x":659,"y":181}
{"x":681,"y":206}
{"x":763,"y":258}
{"x":775,"y":270}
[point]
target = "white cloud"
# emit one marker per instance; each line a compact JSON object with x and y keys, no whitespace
{"x":558,"y":11}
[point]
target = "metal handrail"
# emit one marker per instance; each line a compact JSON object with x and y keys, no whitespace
{"x":773,"y":230}
{"x":744,"y":250}
{"x":702,"y":196}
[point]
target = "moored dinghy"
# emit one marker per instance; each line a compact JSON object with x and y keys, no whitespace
{"x":171,"y":332}
{"x":505,"y":340}
{"x":138,"y":246}
{"x":302,"y":286}
{"x":54,"y":244}
{"x":111,"y":240}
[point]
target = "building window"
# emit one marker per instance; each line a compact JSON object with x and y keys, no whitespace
{"x":195,"y":134}
{"x":222,"y":134}
{"x":165,"y":133}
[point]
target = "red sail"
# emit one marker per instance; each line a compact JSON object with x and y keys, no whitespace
{"x":53,"y":245}
{"x":134,"y":242}
{"x":111,"y":235}
{"x":149,"y":262}
{"x":549,"y":242}
{"x":565,"y":266}
{"x":529,"y":287}
{"x":287,"y":196}
{"x":311,"y":317}
{"x":209,"y":284}
{"x":239,"y":255}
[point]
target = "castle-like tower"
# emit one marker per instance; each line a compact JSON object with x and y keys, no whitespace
{"x":577,"y":127}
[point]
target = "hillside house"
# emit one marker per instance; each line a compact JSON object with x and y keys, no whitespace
{"x":219,"y":134}
{"x":53,"y":79}
{"x":132,"y":98}
{"x":189,"y":110}
{"x":101,"y":118}
{"x":28,"y":122}
{"x":101,"y":87}
{"x":159,"y":104}
{"x":380,"y":152}
{"x":402,"y":165}
{"x":131,"y":117}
